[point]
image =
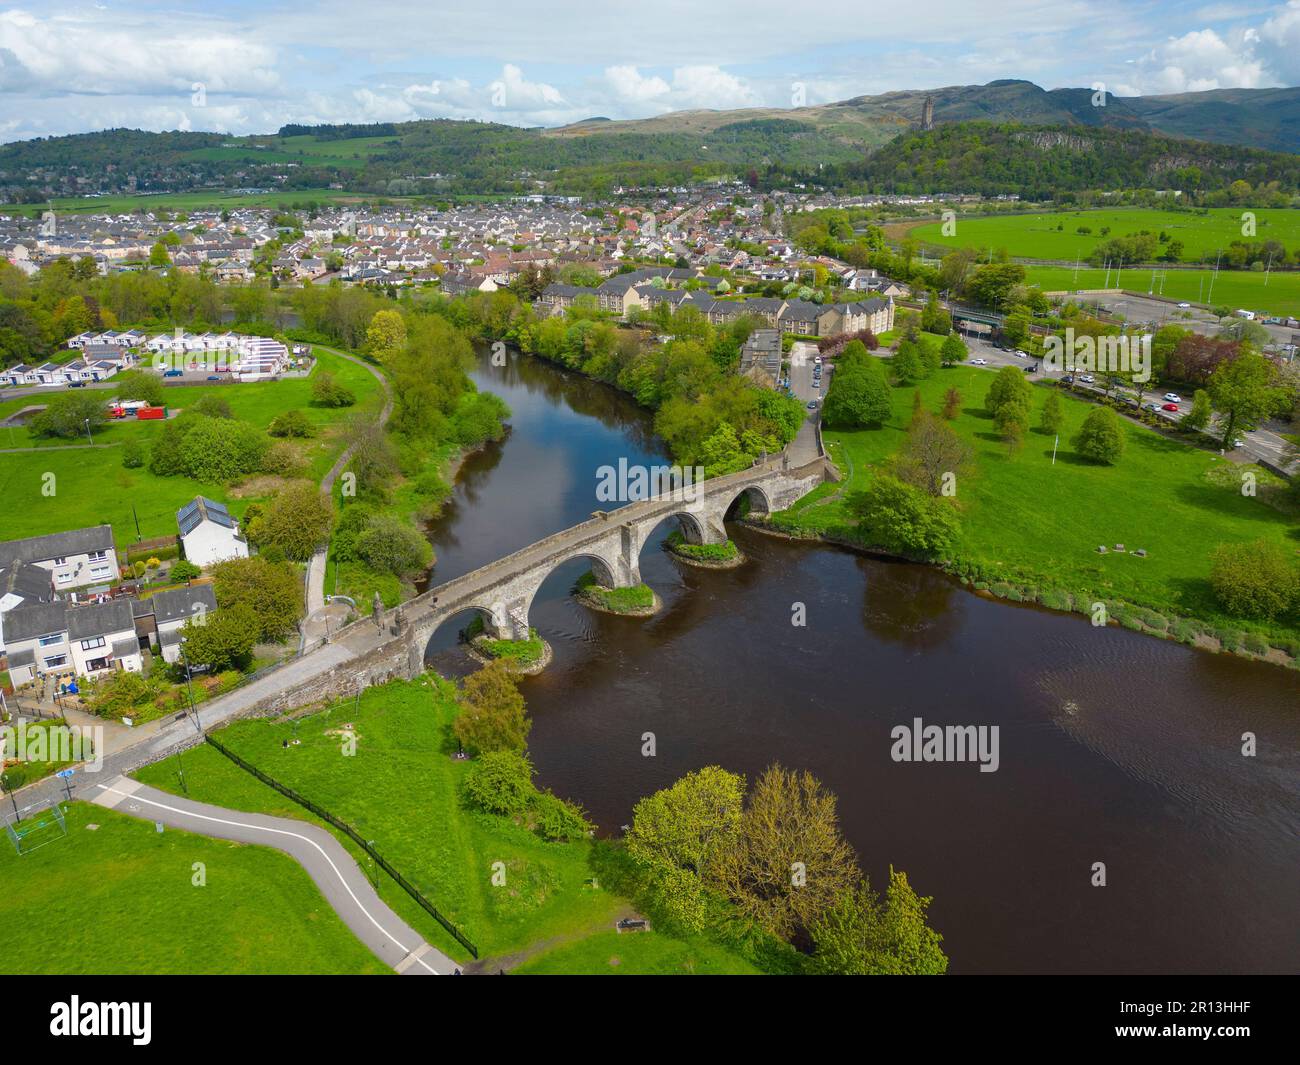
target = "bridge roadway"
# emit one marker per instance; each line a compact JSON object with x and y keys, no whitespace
{"x":366,"y":652}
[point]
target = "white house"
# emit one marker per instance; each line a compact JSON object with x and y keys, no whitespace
{"x":173,"y":608}
{"x":208,"y":532}
{"x":61,"y":638}
{"x":75,"y":558}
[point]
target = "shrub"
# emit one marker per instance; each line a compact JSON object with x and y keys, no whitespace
{"x":1256,"y":644}
{"x":1101,"y":437}
{"x":133,"y":454}
{"x":558,"y":820}
{"x":500,"y":782}
{"x":185,"y":571}
{"x":290,"y":423}
{"x":326,"y":392}
{"x":1255,"y":580}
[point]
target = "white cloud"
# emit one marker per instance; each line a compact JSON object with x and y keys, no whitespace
{"x":1196,"y":62}
{"x":1279,"y":41}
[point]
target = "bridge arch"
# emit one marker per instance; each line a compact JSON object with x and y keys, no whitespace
{"x":752,"y":499}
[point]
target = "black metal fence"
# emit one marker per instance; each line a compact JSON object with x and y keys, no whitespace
{"x":356,"y":838}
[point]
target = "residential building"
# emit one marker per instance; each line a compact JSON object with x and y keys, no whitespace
{"x":208,"y":533}
{"x":62,"y":638}
{"x":75,"y":558}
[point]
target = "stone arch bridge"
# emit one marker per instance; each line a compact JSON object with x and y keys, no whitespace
{"x":502,"y":591}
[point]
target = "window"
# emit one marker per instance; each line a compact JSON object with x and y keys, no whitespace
{"x":63,"y":578}
{"x":99,"y":571}
{"x":98,"y":556}
{"x":49,"y":638}
{"x":61,"y":561}
{"x":56,"y":661}
{"x":92,"y":643}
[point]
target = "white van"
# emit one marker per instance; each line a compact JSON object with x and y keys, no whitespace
{"x":1248,"y":315}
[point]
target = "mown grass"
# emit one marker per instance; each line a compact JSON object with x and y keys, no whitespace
{"x":637,"y":954}
{"x":639,"y":597}
{"x":120,"y":899}
{"x":1276,"y":294}
{"x":1027,"y":520}
{"x":92,"y":487}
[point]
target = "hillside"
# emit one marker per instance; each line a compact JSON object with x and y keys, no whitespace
{"x":440,"y":157}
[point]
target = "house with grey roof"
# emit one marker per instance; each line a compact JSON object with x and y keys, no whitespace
{"x":172,"y":609}
{"x":61,"y":639}
{"x":209,"y":533}
{"x":75,"y":558}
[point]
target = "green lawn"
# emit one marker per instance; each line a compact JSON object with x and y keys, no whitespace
{"x":1025,"y":519}
{"x":402,"y":789}
{"x":92,"y":486}
{"x":636,"y":954}
{"x":1037,"y":236}
{"x":211,"y":200}
{"x":1232,"y":288}
{"x":119,"y":899}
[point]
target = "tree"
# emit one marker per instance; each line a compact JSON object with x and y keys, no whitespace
{"x":290,"y":423}
{"x":386,"y":335}
{"x":860,"y":937}
{"x":492,"y":716}
{"x":906,"y":363}
{"x":297,"y":520}
{"x":789,"y":862}
{"x":1053,"y":415}
{"x":501,"y":782}
{"x":158,"y":255}
{"x":903,"y":519}
{"x":859,"y":394}
{"x":1009,"y":386}
{"x":953,"y":350}
{"x":951,"y":404}
{"x":141,"y":385}
{"x":69,"y":414}
{"x":1255,"y":580}
{"x":931,"y":453}
{"x":935,"y":317}
{"x":1244,"y":392}
{"x":223,"y":639}
{"x":679,"y":832}
{"x":392,"y":546}
{"x":1199,"y":416}
{"x":272,"y":590}
{"x":212,"y":407}
{"x":326,"y":392}
{"x":1102,"y":437}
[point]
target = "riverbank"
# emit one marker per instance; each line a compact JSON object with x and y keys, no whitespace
{"x":1032,"y":520}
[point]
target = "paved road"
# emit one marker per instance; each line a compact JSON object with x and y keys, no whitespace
{"x":803,"y":449}
{"x":324,"y":858}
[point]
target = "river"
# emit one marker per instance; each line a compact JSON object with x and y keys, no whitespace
{"x":1114,"y":748}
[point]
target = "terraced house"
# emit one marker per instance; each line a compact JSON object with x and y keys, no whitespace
{"x":76,"y":558}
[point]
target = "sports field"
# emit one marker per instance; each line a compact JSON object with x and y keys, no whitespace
{"x":1276,"y":294}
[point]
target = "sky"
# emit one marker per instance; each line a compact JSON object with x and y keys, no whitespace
{"x":249,"y":66}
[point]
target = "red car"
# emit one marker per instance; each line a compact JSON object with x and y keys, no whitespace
{"x":1170,"y":406}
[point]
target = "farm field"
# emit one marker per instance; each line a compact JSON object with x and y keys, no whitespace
{"x":213,"y":199}
{"x":403,"y":790}
{"x":91,"y":487}
{"x":1052,"y":235}
{"x":118,"y":899}
{"x":1029,"y":520}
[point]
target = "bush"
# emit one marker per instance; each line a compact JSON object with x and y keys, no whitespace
{"x":185,"y":571}
{"x":500,"y":782}
{"x":273,"y":590}
{"x":68,"y":414}
{"x":1256,"y":644}
{"x":133,"y":454}
{"x":1056,"y":600}
{"x":290,"y":423}
{"x":1255,"y":580}
{"x":297,"y":520}
{"x":1101,"y":437}
{"x":558,"y":820}
{"x":903,"y":519}
{"x":326,"y":392}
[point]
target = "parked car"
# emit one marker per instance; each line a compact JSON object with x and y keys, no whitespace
{"x":76,"y":384}
{"x":1068,"y":379}
{"x":1020,"y":354}
{"x":1086,"y":378}
{"x":979,"y":362}
{"x":1185,"y":306}
{"x":812,"y":404}
{"x":213,"y":377}
{"x":1150,"y":407}
{"x":1173,"y":397}
{"x":173,"y":373}
{"x":1169,"y":406}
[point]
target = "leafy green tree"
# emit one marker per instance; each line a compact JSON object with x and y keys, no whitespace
{"x":931,"y":452}
{"x":391,"y":546}
{"x":906,"y":363}
{"x":1053,"y":414}
{"x":953,"y":350}
{"x":1102,"y":437}
{"x":903,"y":519}
{"x":386,"y":334}
{"x":212,"y":407}
{"x":69,"y":414}
{"x":326,"y":392}
{"x":271,"y":590}
{"x":1009,"y":386}
{"x":501,"y":782}
{"x":223,"y":640}
{"x":140,"y":384}
{"x":789,"y":817}
{"x":859,"y":395}
{"x":297,"y":521}
{"x":492,"y":717}
{"x":290,"y":423}
{"x":1202,"y":409}
{"x":680,"y":831}
{"x":1244,"y":392}
{"x":860,"y":937}
{"x":935,"y":317}
{"x":1255,"y":580}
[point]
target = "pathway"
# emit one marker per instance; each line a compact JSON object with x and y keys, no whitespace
{"x":339,"y":878}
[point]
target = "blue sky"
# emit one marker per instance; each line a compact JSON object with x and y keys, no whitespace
{"x":74,"y":67}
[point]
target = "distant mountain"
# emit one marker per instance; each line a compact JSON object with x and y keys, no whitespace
{"x":1257,"y":118}
{"x":443,"y":156}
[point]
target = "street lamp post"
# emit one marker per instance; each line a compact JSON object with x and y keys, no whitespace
{"x":88,"y":436}
{"x":189,"y":686}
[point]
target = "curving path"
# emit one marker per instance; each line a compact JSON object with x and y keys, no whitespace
{"x":315,"y":626}
{"x":338,"y":877}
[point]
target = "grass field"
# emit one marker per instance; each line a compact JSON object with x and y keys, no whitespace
{"x":211,"y":200}
{"x":119,"y":899}
{"x":402,"y":789}
{"x":1037,"y":236}
{"x":1277,"y":294}
{"x":93,"y":487}
{"x":636,"y":954}
{"x":1028,"y":520}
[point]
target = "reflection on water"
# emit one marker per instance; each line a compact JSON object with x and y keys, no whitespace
{"x":1114,"y":747}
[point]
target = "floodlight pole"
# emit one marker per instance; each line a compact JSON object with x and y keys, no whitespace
{"x":4,"y":780}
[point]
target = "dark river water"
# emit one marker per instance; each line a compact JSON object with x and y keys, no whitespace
{"x":1114,"y":748}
